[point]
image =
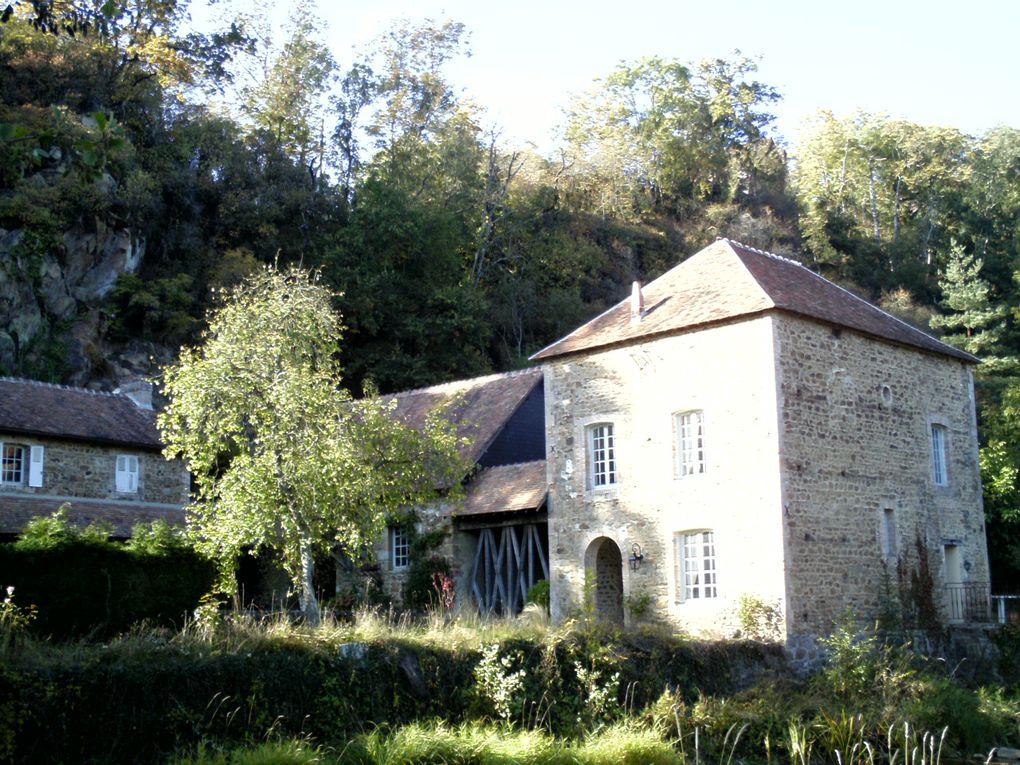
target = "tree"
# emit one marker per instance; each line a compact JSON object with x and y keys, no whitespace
{"x":976,"y":322}
{"x":288,"y":99}
{"x":283,"y":457}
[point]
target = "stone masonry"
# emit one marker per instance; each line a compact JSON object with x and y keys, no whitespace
{"x":728,"y":372}
{"x":855,"y":432}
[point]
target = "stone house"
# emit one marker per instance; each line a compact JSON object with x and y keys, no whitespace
{"x":99,"y":452}
{"x":499,"y":538}
{"x":741,"y":427}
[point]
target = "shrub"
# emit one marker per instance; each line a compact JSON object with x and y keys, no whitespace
{"x":419,"y":591}
{"x":82,"y":583}
{"x":539,"y":594}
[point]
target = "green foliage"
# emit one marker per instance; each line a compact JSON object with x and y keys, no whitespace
{"x":539,"y":594}
{"x":162,"y":308}
{"x":80,"y":582}
{"x":283,"y":457}
{"x":499,"y":682}
{"x":759,"y":620}
{"x":860,"y":670}
{"x":638,"y":604}
{"x":420,"y":588}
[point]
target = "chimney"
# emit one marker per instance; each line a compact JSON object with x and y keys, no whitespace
{"x":139,"y":391}
{"x":637,"y":303}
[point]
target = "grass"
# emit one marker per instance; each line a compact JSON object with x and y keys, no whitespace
{"x":234,"y":677}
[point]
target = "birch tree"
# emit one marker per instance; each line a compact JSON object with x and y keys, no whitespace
{"x":283,"y":457}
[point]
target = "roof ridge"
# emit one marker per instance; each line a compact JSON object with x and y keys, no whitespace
{"x":773,"y":255}
{"x":843,"y":289}
{"x":455,"y":384}
{"x":59,"y":386}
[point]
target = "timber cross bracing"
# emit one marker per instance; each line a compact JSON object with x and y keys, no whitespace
{"x":508,"y":561}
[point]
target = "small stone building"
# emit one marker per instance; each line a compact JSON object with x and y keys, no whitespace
{"x":498,"y":530}
{"x":99,"y":452}
{"x":744,"y":427}
{"x":740,"y":429}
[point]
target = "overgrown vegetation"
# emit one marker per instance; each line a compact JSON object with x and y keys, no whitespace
{"x":232,"y":689}
{"x":80,"y":582}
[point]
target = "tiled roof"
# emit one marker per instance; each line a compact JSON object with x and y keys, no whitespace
{"x":727,"y":281}
{"x":483,"y":405}
{"x":505,"y":489}
{"x":18,"y":510}
{"x":40,"y":409}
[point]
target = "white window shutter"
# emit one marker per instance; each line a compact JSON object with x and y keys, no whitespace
{"x":35,"y":466}
{"x":122,"y":482}
{"x":127,"y":473}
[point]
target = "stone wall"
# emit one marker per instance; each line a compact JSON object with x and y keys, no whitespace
{"x":79,"y":470}
{"x":856,"y":449}
{"x":729,"y":373}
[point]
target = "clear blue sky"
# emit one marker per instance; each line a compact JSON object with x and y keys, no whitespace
{"x":932,"y":62}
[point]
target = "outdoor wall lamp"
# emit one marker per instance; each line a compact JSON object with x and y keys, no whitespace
{"x":635,"y":557}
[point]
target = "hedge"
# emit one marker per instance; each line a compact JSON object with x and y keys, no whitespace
{"x":83,"y":586}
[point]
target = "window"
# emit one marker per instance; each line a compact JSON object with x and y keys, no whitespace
{"x":695,"y":565}
{"x":400,"y":547}
{"x":602,"y":455}
{"x":21,"y":465}
{"x":12,"y":470}
{"x":127,"y":473}
{"x":938,"y":455}
{"x":889,"y":551}
{"x":690,"y":443}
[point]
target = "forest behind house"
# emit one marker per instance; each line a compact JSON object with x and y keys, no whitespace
{"x":145,"y":166}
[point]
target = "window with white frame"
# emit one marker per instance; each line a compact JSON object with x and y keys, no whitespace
{"x":602,"y":455}
{"x":938,"y":455}
{"x":400,"y":547}
{"x":127,"y":473}
{"x":12,"y":465}
{"x":695,"y":565}
{"x":690,"y":443}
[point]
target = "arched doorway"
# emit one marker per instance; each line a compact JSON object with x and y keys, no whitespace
{"x":603,"y":562}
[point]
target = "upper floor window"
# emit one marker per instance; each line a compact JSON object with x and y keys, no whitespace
{"x":938,"y":455}
{"x":127,"y":473}
{"x":602,"y":455}
{"x":690,"y":443}
{"x":400,"y":547}
{"x":21,"y":465}
{"x":695,"y":565}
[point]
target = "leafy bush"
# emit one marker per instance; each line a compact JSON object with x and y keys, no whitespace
{"x":80,"y":582}
{"x":419,"y":591}
{"x":539,"y":593}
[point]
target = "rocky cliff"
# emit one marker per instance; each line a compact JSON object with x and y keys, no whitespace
{"x":52,"y":320}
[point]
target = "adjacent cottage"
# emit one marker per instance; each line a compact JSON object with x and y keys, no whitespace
{"x":498,"y":542}
{"x":739,"y":428}
{"x":100,"y":452}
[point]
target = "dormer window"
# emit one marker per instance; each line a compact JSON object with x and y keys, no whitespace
{"x":602,"y":455}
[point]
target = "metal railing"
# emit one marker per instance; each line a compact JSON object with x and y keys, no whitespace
{"x":969,"y":602}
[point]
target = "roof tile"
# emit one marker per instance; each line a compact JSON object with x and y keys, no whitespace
{"x":58,"y":411}
{"x":505,"y":489}
{"x":480,"y":407}
{"x":727,"y":281}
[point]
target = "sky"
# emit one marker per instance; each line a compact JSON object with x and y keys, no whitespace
{"x":932,"y":62}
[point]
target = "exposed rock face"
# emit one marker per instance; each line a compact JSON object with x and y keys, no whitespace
{"x":38,"y":294}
